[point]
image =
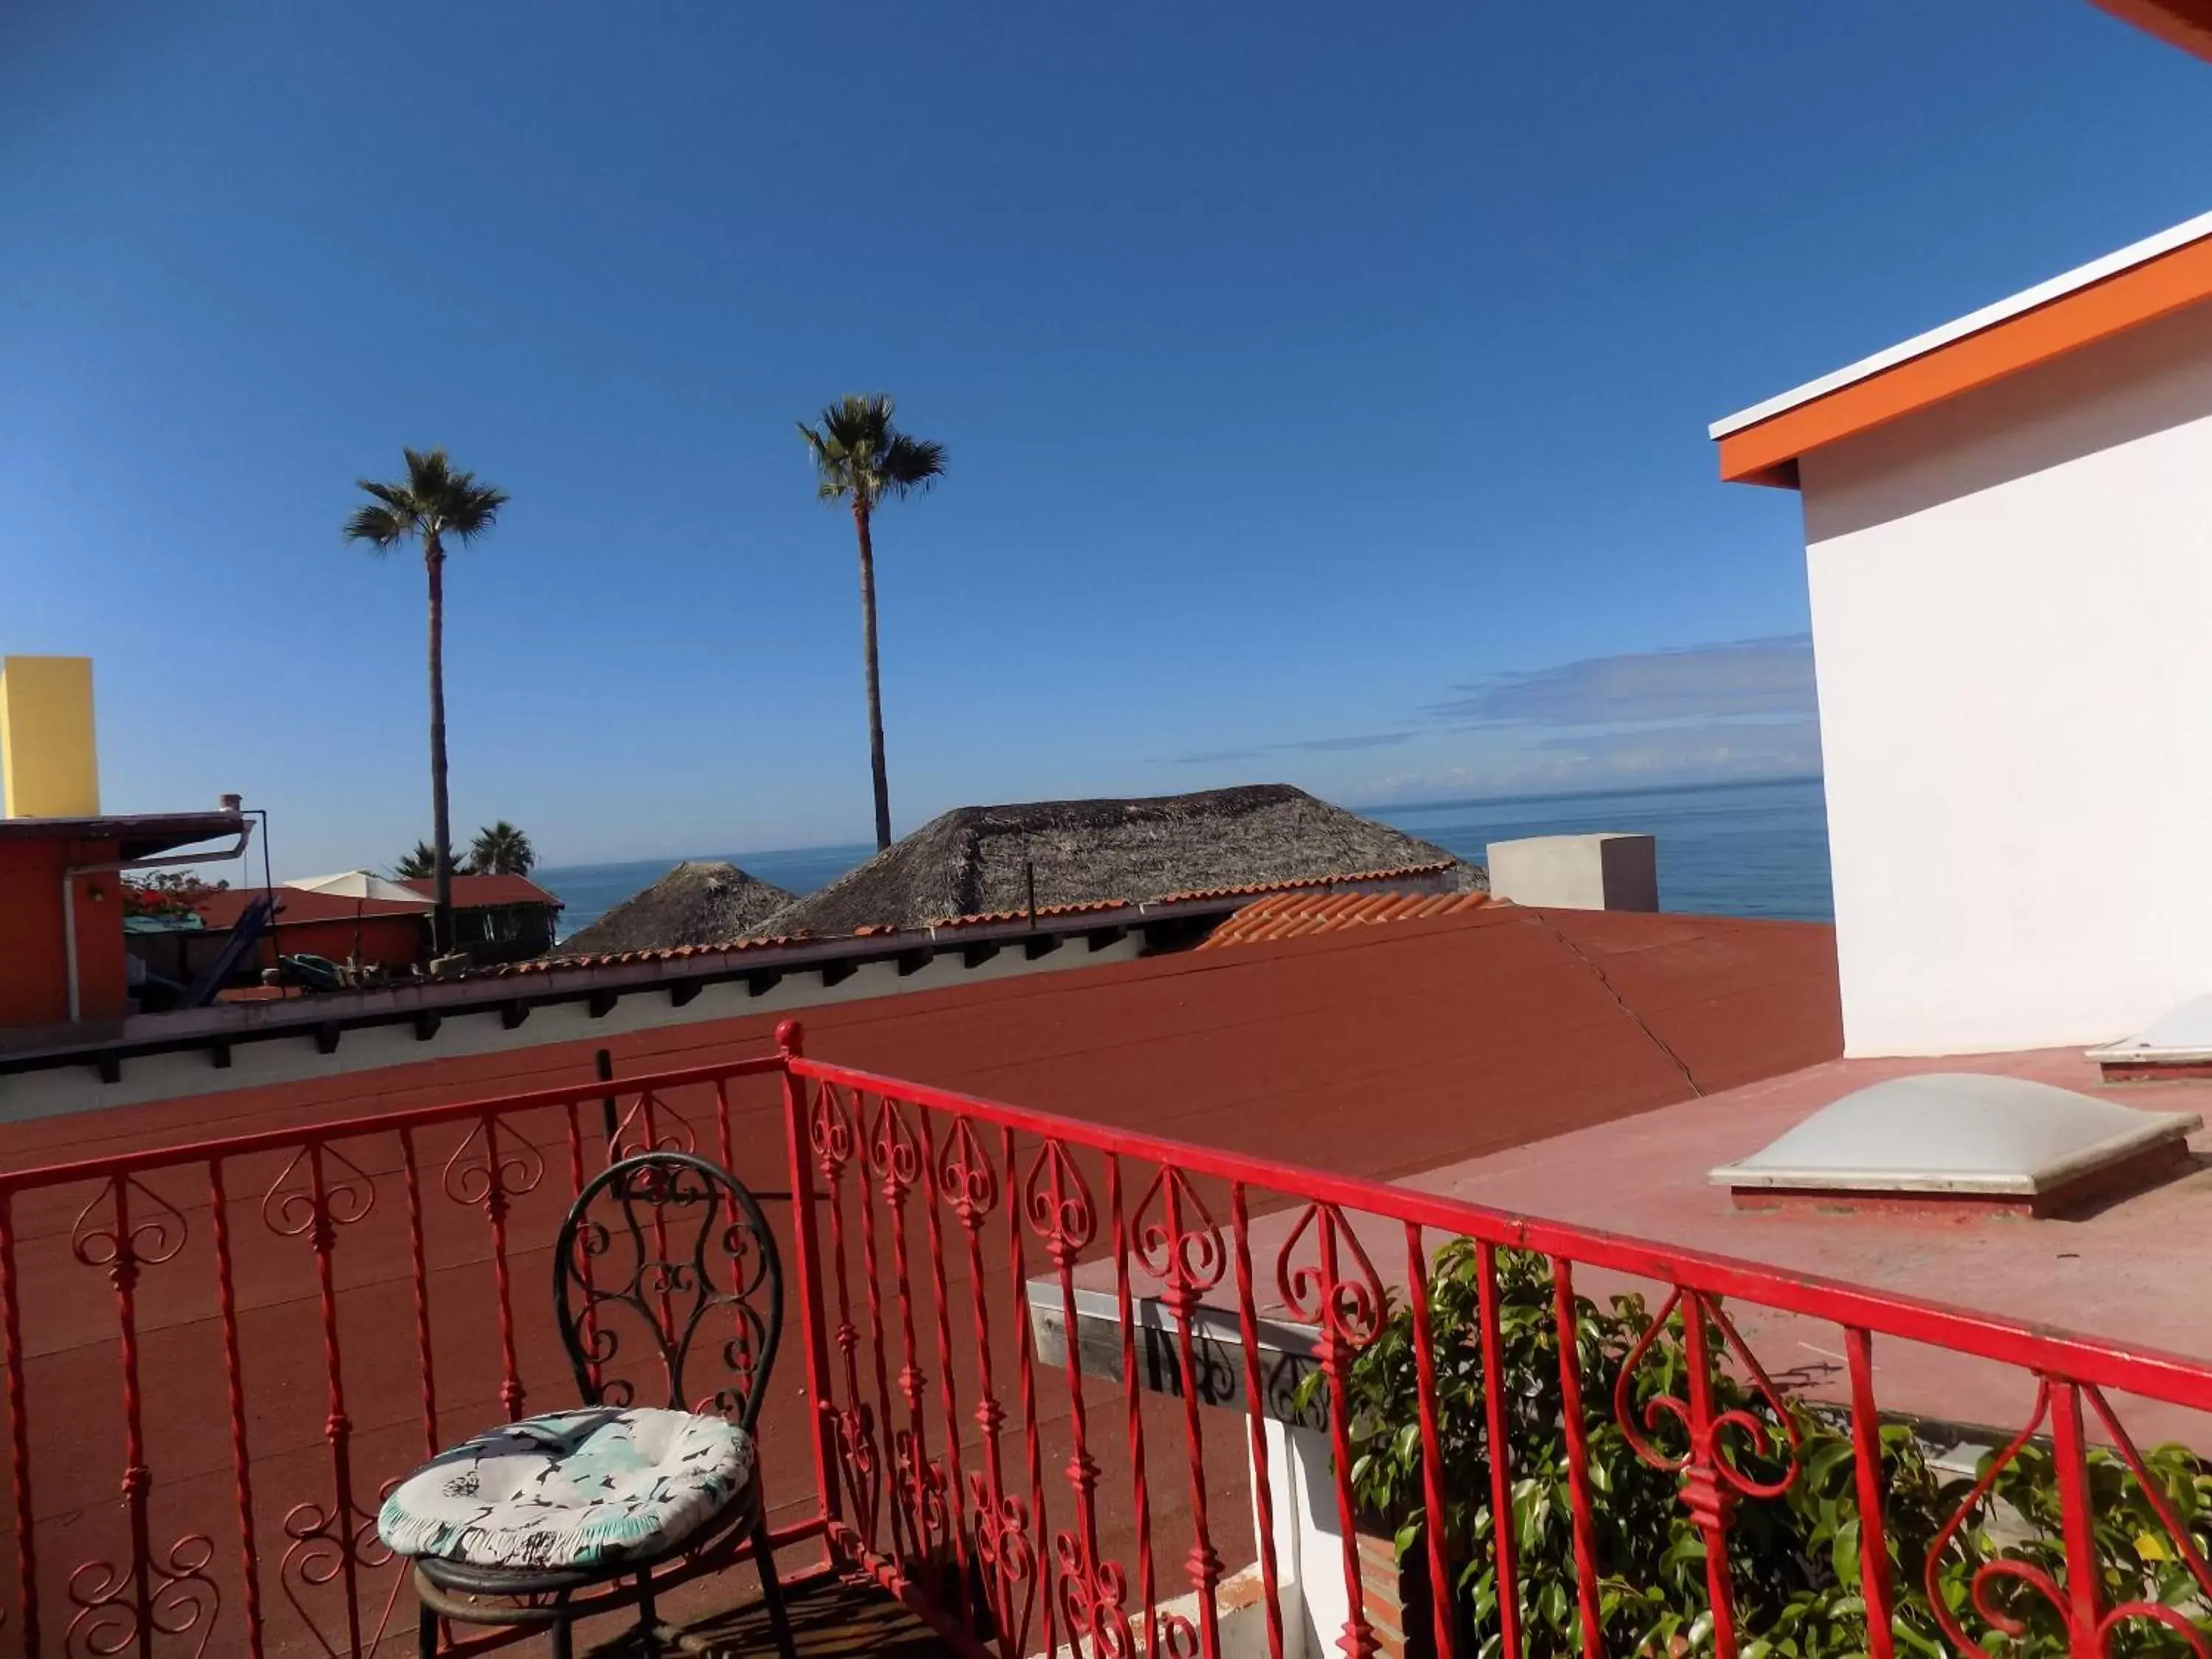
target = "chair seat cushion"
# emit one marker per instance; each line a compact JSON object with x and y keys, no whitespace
{"x":570,"y":1489}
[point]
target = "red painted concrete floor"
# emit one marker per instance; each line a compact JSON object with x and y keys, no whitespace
{"x":2133,"y":1272}
{"x":835,"y":1619}
{"x":1380,"y":1053}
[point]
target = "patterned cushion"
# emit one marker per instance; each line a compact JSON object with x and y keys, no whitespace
{"x":570,"y":1489}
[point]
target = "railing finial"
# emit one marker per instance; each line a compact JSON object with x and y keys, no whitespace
{"x":791,"y":1038}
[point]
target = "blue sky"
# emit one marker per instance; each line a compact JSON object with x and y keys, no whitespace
{"x":1325,"y":386}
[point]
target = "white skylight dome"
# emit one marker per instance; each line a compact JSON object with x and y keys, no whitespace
{"x":1964,"y":1135}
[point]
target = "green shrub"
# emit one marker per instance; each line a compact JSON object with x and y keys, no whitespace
{"x":1794,"y":1559}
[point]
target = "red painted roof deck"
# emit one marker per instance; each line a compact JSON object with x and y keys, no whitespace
{"x":1377,"y":1052}
{"x":2131,"y":1272}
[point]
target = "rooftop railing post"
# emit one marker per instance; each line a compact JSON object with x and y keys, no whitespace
{"x":19,"y":1431}
{"x":1705,"y":1491}
{"x":2077,"y":1523}
{"x":790,"y":1040}
{"x":1873,"y":1534}
{"x":1581,"y":1503}
{"x":602,"y":1063}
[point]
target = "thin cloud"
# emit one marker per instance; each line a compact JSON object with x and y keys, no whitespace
{"x":1748,"y":749}
{"x":1332,"y":745}
{"x":1653,"y":757}
{"x":1309,"y":745}
{"x":1219,"y":757}
{"x":1743,"y":679}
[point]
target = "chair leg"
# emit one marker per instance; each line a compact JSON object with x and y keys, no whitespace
{"x":561,"y":1640}
{"x":648,"y":1634}
{"x":779,"y":1617}
{"x":425,"y":1635}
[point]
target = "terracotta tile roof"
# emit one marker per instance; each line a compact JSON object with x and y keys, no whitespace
{"x":1404,"y":872}
{"x":981,"y":917}
{"x":1044,"y":912}
{"x":618,"y":958}
{"x":486,"y":892}
{"x":294,"y":906}
{"x":1293,"y":916}
{"x":1351,"y":1052}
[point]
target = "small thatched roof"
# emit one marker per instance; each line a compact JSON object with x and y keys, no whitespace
{"x":700,"y":901}
{"x":976,"y":860}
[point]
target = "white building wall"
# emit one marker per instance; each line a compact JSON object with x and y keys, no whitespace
{"x":2012,"y":618}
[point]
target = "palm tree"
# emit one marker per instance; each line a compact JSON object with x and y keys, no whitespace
{"x":421,"y":864}
{"x":860,"y":457}
{"x":500,"y":849}
{"x":433,"y":502}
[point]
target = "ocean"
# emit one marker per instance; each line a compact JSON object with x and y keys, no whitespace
{"x":1741,"y":849}
{"x":1736,"y":849}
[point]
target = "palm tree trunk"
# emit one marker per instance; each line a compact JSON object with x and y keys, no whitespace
{"x":441,"y":834}
{"x":875,"y":677}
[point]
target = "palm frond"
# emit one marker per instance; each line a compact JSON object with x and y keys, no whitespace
{"x":393,"y":496}
{"x":473,"y":508}
{"x":858,"y":453}
{"x":912,"y":464}
{"x":435,"y":500}
{"x":419,"y":864}
{"x":860,"y":425}
{"x":430,"y":475}
{"x":381,"y":527}
{"x":500,"y":849}
{"x":832,"y":477}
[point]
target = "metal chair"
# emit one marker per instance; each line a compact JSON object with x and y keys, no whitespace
{"x":676,"y":1246}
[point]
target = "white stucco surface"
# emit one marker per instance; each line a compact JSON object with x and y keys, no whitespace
{"x":2012,"y":618}
{"x":1577,"y":872}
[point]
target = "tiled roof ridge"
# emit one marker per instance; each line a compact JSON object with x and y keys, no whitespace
{"x":663,"y":953}
{"x":1088,"y":907}
{"x":977,"y":919}
{"x":1281,"y":916}
{"x":1295,"y":884}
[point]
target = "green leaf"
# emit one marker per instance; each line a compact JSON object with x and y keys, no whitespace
{"x":1844,"y":1553}
{"x":1823,"y":1463}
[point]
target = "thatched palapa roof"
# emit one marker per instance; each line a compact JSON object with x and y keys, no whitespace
{"x":978,"y":859}
{"x":700,"y":901}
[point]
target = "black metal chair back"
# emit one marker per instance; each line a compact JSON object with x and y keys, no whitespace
{"x":660,"y":1252}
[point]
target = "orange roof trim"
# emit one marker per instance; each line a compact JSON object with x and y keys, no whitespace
{"x":2138,"y":285}
{"x":1294,"y":916}
{"x":2184,"y":23}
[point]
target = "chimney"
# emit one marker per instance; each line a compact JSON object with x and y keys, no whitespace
{"x":49,"y":765}
{"x":1577,"y":872}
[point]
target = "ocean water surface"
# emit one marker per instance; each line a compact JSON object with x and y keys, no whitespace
{"x":1738,"y":849}
{"x":1747,"y":849}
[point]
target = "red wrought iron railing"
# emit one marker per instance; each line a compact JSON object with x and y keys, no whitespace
{"x":289,"y":1322}
{"x":985,"y":1499}
{"x":1060,"y":1388}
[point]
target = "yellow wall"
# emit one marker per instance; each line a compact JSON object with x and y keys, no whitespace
{"x":49,"y":768}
